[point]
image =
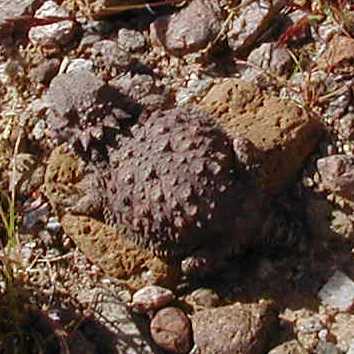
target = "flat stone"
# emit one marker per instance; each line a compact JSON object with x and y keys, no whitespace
{"x":57,"y":33}
{"x":190,"y":29}
{"x":238,"y":329}
{"x":131,"y":40}
{"x":281,"y":135}
{"x":338,"y":292}
{"x":252,"y":21}
{"x":151,"y":298}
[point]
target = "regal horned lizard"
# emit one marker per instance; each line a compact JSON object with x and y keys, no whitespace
{"x":174,"y":185}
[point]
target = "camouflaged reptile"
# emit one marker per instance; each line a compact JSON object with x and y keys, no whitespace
{"x":173,"y":187}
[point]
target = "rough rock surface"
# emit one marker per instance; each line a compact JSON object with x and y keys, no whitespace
{"x":337,"y":174}
{"x":110,"y":249}
{"x":60,"y":33}
{"x":64,"y":171}
{"x":151,"y":298}
{"x":267,"y":58}
{"x":338,"y":292}
{"x":250,"y":24}
{"x":189,"y":30}
{"x":238,"y":328}
{"x":83,"y":108}
{"x":283,"y":135}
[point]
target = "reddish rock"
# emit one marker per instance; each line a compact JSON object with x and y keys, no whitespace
{"x":59,"y":33}
{"x":337,"y":174}
{"x":234,"y":329}
{"x":189,"y":30}
{"x":151,"y":298}
{"x":171,"y":330}
{"x":340,"y":51}
{"x":45,"y":71}
{"x":252,"y":21}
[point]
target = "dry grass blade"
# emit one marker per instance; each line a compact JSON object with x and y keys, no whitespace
{"x":113,"y":7}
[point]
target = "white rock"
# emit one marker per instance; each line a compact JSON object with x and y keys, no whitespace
{"x":60,"y":32}
{"x":80,"y":64}
{"x":338,"y":292}
{"x":151,"y":298}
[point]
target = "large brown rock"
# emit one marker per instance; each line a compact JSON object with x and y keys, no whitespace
{"x":234,"y":329}
{"x":281,"y":133}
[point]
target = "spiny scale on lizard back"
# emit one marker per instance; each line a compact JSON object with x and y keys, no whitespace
{"x":172,"y":183}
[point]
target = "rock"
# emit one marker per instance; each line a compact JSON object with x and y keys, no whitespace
{"x":338,"y":292}
{"x":35,"y":215}
{"x":252,"y":22}
{"x":342,"y":329}
{"x":337,"y":174}
{"x":203,"y":298}
{"x":118,"y":257}
{"x":151,"y":298}
{"x":196,"y":88}
{"x":269,"y":58}
{"x":53,"y":225}
{"x":131,"y":40}
{"x":108,"y":56}
{"x":171,"y":330}
{"x":346,"y":126}
{"x":45,"y":71}
{"x":340,"y":50}
{"x":59,"y":33}
{"x":190,"y":29}
{"x":238,"y":328}
{"x":141,"y":88}
{"x":290,"y":347}
{"x":79,"y":64}
{"x":282,"y":134}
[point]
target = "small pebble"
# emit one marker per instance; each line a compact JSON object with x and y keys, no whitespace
{"x":53,"y":225}
{"x":171,"y":330}
{"x":151,"y":298}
